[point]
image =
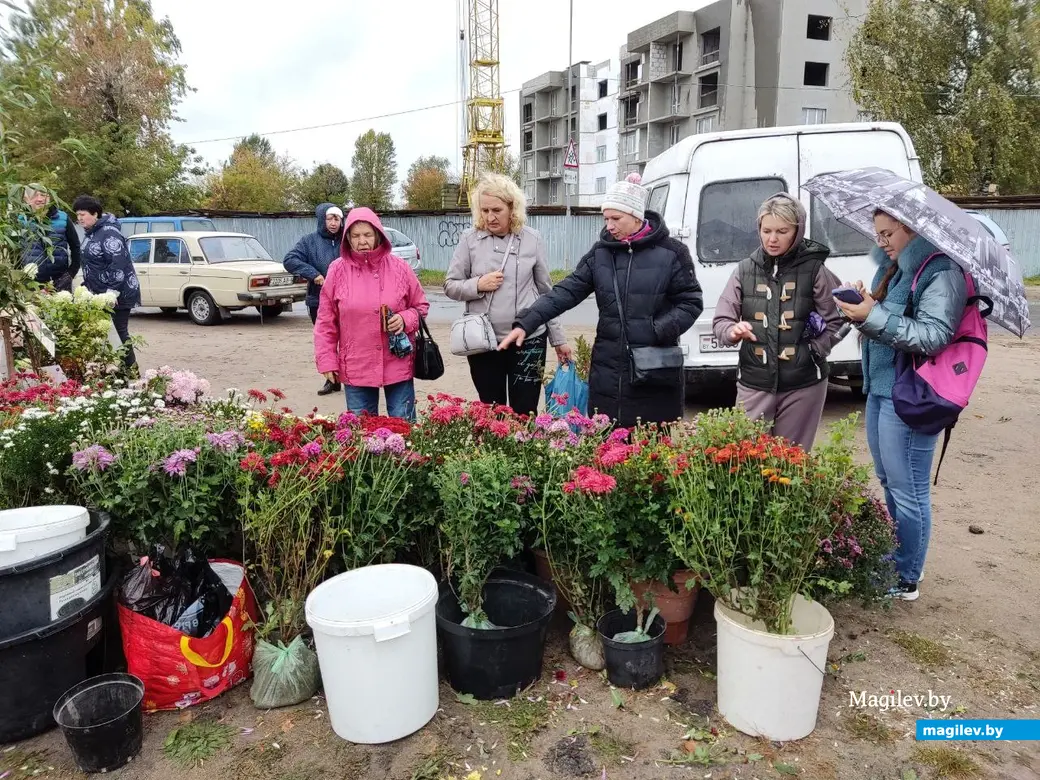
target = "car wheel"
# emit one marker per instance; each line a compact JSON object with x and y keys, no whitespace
{"x":202,"y":309}
{"x":271,"y":311}
{"x":168,"y":309}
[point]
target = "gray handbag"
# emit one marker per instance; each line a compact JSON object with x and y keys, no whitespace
{"x":473,"y":334}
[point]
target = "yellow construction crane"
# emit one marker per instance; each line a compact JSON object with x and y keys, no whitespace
{"x":485,"y":110}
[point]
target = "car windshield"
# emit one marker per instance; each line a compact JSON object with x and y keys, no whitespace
{"x":397,"y":238}
{"x":228,"y":249}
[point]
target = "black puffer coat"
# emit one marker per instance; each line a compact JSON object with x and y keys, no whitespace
{"x":662,"y":298}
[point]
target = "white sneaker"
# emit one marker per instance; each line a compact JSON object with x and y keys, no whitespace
{"x":905,"y":591}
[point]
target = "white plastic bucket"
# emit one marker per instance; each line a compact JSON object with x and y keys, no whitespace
{"x":35,"y":531}
{"x":376,"y":636}
{"x":769,"y":684}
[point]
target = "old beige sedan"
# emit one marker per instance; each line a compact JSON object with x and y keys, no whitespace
{"x":211,"y":274}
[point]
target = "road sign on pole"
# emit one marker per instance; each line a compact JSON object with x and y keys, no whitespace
{"x":571,"y":160}
{"x":570,"y":176}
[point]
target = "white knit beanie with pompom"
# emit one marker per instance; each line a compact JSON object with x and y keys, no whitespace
{"x":627,"y":196}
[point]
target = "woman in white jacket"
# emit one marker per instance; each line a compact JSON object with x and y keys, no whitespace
{"x":500,"y":268}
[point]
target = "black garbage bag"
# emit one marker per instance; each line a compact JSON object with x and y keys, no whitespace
{"x":182,"y":592}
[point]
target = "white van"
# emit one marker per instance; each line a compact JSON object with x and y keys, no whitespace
{"x":709,"y":187}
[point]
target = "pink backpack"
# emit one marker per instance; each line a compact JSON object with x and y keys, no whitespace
{"x":930,"y":392}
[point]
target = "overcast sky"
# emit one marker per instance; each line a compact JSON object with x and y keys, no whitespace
{"x":264,"y":66}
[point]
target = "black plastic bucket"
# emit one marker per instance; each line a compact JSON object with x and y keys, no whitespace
{"x":45,"y":590}
{"x":38,"y":666}
{"x":101,"y":720}
{"x":635,"y":665}
{"x":497,"y":663}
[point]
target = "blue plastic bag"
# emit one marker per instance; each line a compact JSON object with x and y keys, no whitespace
{"x":566,"y":391}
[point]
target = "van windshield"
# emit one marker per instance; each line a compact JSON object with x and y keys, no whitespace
{"x":228,"y":249}
{"x":727,"y":226}
{"x":842,"y":240}
{"x":197,"y":224}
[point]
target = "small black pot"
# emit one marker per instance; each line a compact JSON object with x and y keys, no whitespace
{"x":637,"y":665}
{"x":497,"y":663}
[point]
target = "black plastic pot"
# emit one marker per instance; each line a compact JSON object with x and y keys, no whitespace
{"x":44,"y":590}
{"x":101,"y":720}
{"x":38,"y":666}
{"x":497,"y":663}
{"x":635,"y":665}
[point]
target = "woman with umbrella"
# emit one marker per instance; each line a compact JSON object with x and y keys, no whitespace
{"x":903,"y":456}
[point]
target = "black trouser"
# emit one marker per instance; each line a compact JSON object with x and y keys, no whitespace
{"x":512,"y":377}
{"x":313,"y":311}
{"x":121,"y":321}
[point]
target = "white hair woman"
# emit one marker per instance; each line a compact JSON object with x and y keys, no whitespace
{"x":779,"y":308}
{"x":500,"y":268}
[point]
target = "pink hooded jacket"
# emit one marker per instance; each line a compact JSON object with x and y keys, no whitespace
{"x":348,"y":336}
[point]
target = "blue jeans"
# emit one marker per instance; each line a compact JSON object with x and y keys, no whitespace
{"x":400,"y":399}
{"x":903,"y":463}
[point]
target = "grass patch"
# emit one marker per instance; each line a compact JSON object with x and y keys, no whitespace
{"x":868,"y":728}
{"x":946,"y":761}
{"x":434,"y":766}
{"x":257,"y":761}
{"x":23,"y":764}
{"x":924,"y":651}
{"x":520,"y":718}
{"x":193,"y":743}
{"x":609,"y":747}
{"x":431,"y":278}
{"x":1032,"y":281}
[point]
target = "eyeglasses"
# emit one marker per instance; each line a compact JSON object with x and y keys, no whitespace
{"x":884,"y":238}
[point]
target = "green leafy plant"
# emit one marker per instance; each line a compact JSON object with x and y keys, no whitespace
{"x":80,"y":323}
{"x":193,"y":743}
{"x":164,"y":480}
{"x":481,"y":524}
{"x":754,"y":510}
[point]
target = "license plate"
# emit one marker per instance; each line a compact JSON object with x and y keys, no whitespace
{"x":711,"y":344}
{"x":281,"y":281}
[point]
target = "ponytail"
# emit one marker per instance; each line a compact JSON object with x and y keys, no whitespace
{"x":881,"y":290}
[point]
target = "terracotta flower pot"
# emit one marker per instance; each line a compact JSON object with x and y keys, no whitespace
{"x":544,"y":571}
{"x":676,"y":608}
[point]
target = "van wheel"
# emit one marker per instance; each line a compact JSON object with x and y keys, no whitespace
{"x":271,"y":311}
{"x":202,"y":309}
{"x":168,"y":309}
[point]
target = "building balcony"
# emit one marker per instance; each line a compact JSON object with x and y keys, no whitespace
{"x":673,"y":75}
{"x":710,"y":58}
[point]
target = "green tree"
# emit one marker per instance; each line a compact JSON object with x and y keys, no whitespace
{"x":327,"y":183}
{"x":962,"y":77}
{"x":115,"y":79}
{"x":424,"y":185}
{"x":375,"y":171}
{"x":254,"y":179}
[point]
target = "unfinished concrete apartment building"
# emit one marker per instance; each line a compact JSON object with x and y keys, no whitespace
{"x":734,"y":64}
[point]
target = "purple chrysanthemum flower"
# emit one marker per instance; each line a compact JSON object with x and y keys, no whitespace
{"x":343,"y":435}
{"x":227,"y":442}
{"x":395,"y":444}
{"x":312,"y":449}
{"x":93,"y":458}
{"x":464,"y":478}
{"x":375,"y":446}
{"x":176,"y":464}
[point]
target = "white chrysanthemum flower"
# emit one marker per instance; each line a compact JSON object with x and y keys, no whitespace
{"x":63,"y":295}
{"x":82,"y":295}
{"x":30,"y":270}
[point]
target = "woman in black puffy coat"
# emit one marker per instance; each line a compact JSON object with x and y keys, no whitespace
{"x":660,"y":295}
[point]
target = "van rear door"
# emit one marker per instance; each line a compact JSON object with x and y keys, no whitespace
{"x":729,"y":180}
{"x":850,"y":250}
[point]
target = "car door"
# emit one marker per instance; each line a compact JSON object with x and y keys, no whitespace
{"x":141,"y":256}
{"x":171,"y":267}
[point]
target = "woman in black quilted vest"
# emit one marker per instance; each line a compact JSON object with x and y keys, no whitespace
{"x":779,"y":307}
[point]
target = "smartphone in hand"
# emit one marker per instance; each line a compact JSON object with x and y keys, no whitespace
{"x":847,"y":295}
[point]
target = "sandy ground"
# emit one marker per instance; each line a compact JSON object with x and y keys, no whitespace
{"x":974,"y":634}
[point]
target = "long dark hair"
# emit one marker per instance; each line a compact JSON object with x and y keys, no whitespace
{"x":881,"y":291}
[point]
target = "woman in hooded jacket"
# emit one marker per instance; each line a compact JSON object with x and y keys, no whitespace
{"x":778,"y":306}
{"x":894,"y":317}
{"x":660,"y":299}
{"x":351,"y":336}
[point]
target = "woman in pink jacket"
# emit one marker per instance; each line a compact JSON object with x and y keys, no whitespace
{"x":350,"y":343}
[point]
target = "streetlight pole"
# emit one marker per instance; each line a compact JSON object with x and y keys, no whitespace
{"x":572,"y":105}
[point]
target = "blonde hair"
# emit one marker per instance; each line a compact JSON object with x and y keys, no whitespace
{"x":783,"y":207}
{"x":502,"y":187}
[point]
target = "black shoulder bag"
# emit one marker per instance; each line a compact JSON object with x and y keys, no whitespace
{"x":650,"y":366}
{"x":429,"y":364}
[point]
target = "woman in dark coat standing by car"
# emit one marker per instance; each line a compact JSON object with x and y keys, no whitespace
{"x":660,"y":295}
{"x":107,"y":266}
